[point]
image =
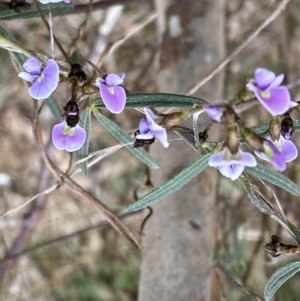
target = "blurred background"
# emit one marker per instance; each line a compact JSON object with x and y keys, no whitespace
{"x":63,"y":250}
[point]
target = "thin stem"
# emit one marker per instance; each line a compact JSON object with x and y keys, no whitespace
{"x":49,"y":29}
{"x":280,"y":7}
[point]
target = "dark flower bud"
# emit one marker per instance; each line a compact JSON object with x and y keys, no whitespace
{"x":287,"y":127}
{"x":71,"y":112}
{"x":142,"y":142}
{"x":19,"y":5}
{"x":76,"y":70}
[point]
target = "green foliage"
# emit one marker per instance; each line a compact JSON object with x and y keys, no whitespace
{"x":279,"y":277}
{"x":157,"y":100}
{"x":181,"y":179}
{"x":274,"y":177}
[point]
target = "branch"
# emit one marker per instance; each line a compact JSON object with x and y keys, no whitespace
{"x":280,"y":7}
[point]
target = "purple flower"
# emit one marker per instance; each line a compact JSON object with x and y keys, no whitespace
{"x":112,"y":94}
{"x":149,"y":129}
{"x":53,"y":1}
{"x":279,"y":152}
{"x":266,"y":87}
{"x":44,"y":81}
{"x":69,"y":138}
{"x":215,"y":112}
{"x":232,"y":166}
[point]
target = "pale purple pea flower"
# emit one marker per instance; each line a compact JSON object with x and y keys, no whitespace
{"x":68,"y":138}
{"x":149,"y":129}
{"x":215,"y":112}
{"x":280,"y":152}
{"x":44,"y":80}
{"x":232,"y":166}
{"x":112,"y":94}
{"x":53,"y":1}
{"x":266,"y":87}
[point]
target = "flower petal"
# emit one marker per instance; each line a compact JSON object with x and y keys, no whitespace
{"x":75,"y":142}
{"x":115,"y":102}
{"x":113,"y":80}
{"x":263,"y":78}
{"x":288,"y":150}
{"x":232,"y":171}
{"x":145,"y":136}
{"x":150,"y":115}
{"x":214,"y":112}
{"x":27,"y":76}
{"x":143,"y":126}
{"x":43,"y":88}
{"x":217,"y":159}
{"x":58,"y":137}
{"x":274,"y":156}
{"x":277,"y":103}
{"x":33,"y":65}
{"x":153,"y":126}
{"x":161,"y":135}
{"x":276,"y":82}
{"x":247,"y":159}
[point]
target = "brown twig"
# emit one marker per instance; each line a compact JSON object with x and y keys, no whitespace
{"x":54,"y":242}
{"x":115,"y":222}
{"x":29,"y":223}
{"x":81,"y":28}
{"x":280,"y":7}
{"x":48,"y":27}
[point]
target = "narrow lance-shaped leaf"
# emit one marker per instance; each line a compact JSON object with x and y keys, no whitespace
{"x":181,"y":179}
{"x":274,"y":177}
{"x":279,"y":277}
{"x":55,"y":8}
{"x":85,"y":122}
{"x":157,"y":100}
{"x":121,"y":136}
{"x":255,"y":197}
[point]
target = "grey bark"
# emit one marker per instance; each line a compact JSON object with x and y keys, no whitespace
{"x":179,"y":238}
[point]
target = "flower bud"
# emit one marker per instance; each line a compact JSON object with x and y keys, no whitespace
{"x":274,"y":128}
{"x":232,"y":140}
{"x":287,"y":127}
{"x":253,"y":140}
{"x":244,"y":95}
{"x":175,"y":118}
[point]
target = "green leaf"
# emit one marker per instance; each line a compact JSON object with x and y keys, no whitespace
{"x":121,"y":136}
{"x":157,"y":100}
{"x":186,"y":134}
{"x":181,"y":179}
{"x":8,"y":42}
{"x":85,"y":122}
{"x":274,"y":177}
{"x":255,"y":197}
{"x":280,"y":277}
{"x":55,"y":8}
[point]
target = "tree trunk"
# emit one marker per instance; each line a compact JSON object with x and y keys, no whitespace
{"x":179,"y":238}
